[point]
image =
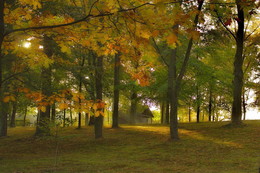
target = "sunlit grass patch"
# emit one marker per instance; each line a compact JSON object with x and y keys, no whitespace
{"x":204,"y":147}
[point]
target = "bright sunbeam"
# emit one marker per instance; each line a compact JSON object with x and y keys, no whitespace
{"x":27,"y":45}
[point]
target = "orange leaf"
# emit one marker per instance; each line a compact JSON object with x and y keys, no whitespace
{"x":6,"y":99}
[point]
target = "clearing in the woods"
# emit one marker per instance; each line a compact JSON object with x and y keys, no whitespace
{"x":203,"y":148}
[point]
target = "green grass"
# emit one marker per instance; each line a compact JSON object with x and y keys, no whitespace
{"x":203,"y":148}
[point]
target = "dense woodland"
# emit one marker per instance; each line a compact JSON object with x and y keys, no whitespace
{"x":193,"y":60}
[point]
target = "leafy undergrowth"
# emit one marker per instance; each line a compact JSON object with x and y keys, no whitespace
{"x":203,"y":148}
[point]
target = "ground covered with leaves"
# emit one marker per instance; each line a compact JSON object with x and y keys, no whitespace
{"x":204,"y":147}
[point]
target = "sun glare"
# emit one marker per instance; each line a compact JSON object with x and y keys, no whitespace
{"x":27,"y":45}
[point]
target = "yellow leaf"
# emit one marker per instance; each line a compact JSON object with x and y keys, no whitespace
{"x":28,"y":16}
{"x":65,"y":49}
{"x":172,"y":39}
{"x":97,"y":113}
{"x":95,"y":107}
{"x":12,"y":98}
{"x":42,"y":108}
{"x":36,"y":5}
{"x":63,"y":106}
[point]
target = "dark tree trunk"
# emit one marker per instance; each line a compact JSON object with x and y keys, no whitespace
{"x":3,"y":113}
{"x":173,"y":95}
{"x":133,"y":106}
{"x":92,"y":90}
{"x":244,"y":105}
{"x":238,"y":64}
{"x":116,"y":91}
{"x":64,"y":117}
{"x":25,"y":115}
{"x":167,"y":113}
{"x":71,"y":119}
{"x":91,"y":121}
{"x":175,"y":81}
{"x":80,"y":90}
{"x":3,"y":121}
{"x":43,"y":128}
{"x":198,"y":105}
{"x":86,"y":119}
{"x":162,"y":112}
{"x":99,"y":91}
{"x":213,"y":110}
{"x":37,"y":117}
{"x":79,"y":120}
{"x":210,"y":103}
{"x":13,"y":115}
{"x":53,"y":113}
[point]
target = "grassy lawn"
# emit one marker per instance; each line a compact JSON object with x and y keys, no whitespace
{"x":203,"y":148}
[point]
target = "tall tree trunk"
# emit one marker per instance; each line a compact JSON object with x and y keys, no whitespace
{"x":3,"y":113}
{"x":210,"y":103}
{"x":53,"y":113}
{"x":167,"y":113}
{"x":99,"y":91}
{"x":116,"y":91}
{"x":86,"y":119}
{"x":198,"y":105}
{"x":162,"y":112}
{"x":13,"y":115}
{"x":64,"y":117}
{"x":173,"y":96}
{"x":80,"y":90}
{"x":71,"y":119}
{"x":25,"y":115}
{"x":43,"y":128}
{"x":133,"y":106}
{"x":213,"y":109}
{"x":175,"y":81}
{"x":92,"y":90}
{"x":79,"y":120}
{"x":238,"y":64}
{"x":244,"y":105}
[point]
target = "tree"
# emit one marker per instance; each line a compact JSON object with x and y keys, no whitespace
{"x":239,"y":37}
{"x":116,"y":91}
{"x":175,"y":80}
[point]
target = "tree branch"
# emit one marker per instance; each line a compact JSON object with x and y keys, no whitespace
{"x":89,"y":16}
{"x":13,"y":76}
{"x":219,"y":18}
{"x":252,"y":32}
{"x":188,"y":51}
{"x":159,"y":52}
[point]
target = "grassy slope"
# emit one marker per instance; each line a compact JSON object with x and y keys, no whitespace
{"x":203,"y":148}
